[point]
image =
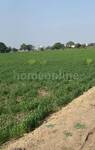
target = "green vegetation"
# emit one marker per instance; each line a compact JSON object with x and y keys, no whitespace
{"x":67,"y":134}
{"x":80,"y":126}
{"x":50,"y":125}
{"x":35,"y":84}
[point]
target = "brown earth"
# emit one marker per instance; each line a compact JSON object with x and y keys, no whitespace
{"x":72,"y":128}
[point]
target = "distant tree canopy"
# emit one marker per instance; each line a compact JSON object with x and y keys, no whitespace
{"x":27,"y":47}
{"x":83,"y":45}
{"x":58,"y":46}
{"x":70,"y":44}
{"x":3,"y":48}
{"x":14,"y":49}
{"x":30,"y":47}
{"x":48,"y":48}
{"x":91,"y":44}
{"x":78,"y":45}
{"x":23,"y":47}
{"x":41,"y":48}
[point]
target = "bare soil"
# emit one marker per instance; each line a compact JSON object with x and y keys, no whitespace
{"x":72,"y":128}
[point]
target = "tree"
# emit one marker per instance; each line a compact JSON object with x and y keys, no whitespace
{"x":91,"y":44}
{"x":9,"y":49}
{"x":58,"y":46}
{"x":41,"y":48}
{"x":14,"y":49}
{"x":30,"y":47}
{"x":23,"y":47}
{"x":70,"y":44}
{"x":3,"y":48}
{"x":83,"y":46}
{"x":27,"y":47}
{"x":78,"y":45}
{"x":48,"y":48}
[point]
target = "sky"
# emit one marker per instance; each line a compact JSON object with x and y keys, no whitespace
{"x":44,"y":22}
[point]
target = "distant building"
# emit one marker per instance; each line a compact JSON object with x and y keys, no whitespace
{"x":73,"y":46}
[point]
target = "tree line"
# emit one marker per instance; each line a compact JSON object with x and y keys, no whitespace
{"x":56,"y":46}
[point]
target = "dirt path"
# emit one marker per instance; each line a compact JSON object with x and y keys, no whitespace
{"x":72,"y":128}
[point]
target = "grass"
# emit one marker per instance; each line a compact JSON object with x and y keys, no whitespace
{"x":80,"y":126}
{"x":50,"y":125}
{"x":60,"y":76}
{"x":67,"y":134}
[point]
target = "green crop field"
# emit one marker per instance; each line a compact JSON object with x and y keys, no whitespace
{"x":35,"y":84}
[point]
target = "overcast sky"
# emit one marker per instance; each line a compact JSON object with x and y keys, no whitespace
{"x":43,"y":22}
